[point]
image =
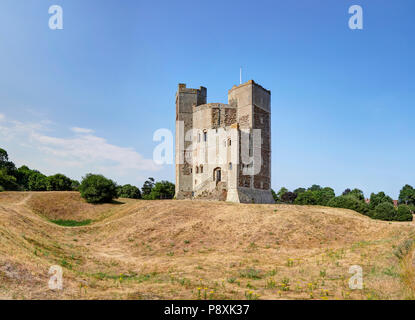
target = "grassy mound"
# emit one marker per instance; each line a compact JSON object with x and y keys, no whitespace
{"x":196,"y":250}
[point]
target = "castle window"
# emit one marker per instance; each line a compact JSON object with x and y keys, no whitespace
{"x":229,"y":142}
{"x":198,"y":137}
{"x":197,"y":169}
{"x":230,"y":165}
{"x":201,"y":169}
{"x":205,"y":136}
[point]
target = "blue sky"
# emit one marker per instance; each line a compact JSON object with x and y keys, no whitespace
{"x":342,"y":99}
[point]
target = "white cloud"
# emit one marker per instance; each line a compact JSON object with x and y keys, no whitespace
{"x":81,"y":153}
{"x":2,"y":117}
{"x":81,"y":130}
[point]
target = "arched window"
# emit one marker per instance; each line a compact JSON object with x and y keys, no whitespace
{"x":201,"y":168}
{"x":230,"y":165}
{"x":197,"y":169}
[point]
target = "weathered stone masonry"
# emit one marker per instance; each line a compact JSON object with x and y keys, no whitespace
{"x":209,"y":145}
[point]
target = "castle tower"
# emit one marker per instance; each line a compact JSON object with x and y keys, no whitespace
{"x":223,"y":151}
{"x":186,"y":98}
{"x":253,"y":104}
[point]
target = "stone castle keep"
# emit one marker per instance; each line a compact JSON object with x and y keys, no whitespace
{"x":223,"y":151}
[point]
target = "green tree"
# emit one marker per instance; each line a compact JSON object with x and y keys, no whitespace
{"x":128,"y":191}
{"x":37,"y":182}
{"x":358,"y":194}
{"x":95,"y":188}
{"x":274,"y":195}
{"x":59,"y":182}
{"x":7,"y":182}
{"x":346,"y":192}
{"x":3,"y":156}
{"x":306,"y":198}
{"x":22,"y":176}
{"x":404,"y":213}
{"x":162,"y":190}
{"x":75,"y":185}
{"x":378,"y":198}
{"x":299,"y":190}
{"x":407,"y":195}
{"x":385,"y":211}
{"x":147,"y":187}
{"x":349,"y":202}
{"x":280,"y":193}
{"x":6,"y":165}
{"x":314,"y":187}
{"x":315,"y":196}
{"x":323,"y":196}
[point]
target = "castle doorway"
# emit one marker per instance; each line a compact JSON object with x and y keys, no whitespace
{"x":217,"y":175}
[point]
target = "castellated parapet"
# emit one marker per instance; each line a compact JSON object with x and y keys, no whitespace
{"x":223,"y":151}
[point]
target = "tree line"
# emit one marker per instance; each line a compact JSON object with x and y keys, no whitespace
{"x":94,"y":188}
{"x":380,"y":206}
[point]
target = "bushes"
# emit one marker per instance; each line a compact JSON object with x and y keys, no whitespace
{"x":315,"y":196}
{"x":349,"y":202}
{"x":378,"y":198}
{"x":147,"y":187}
{"x":306,"y":198}
{"x":161,"y":190}
{"x":323,"y":196}
{"x":357,"y":193}
{"x":59,"y":182}
{"x":385,"y":211}
{"x":7,"y":182}
{"x":404,"y":213}
{"x":37,"y":182}
{"x":95,"y":188}
{"x":128,"y":191}
{"x":407,"y":195}
{"x":274,"y":195}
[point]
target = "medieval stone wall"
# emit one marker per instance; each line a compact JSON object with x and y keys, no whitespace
{"x":217,"y":132}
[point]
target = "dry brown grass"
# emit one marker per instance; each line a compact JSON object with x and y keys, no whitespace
{"x":195,"y":249}
{"x":67,"y":206}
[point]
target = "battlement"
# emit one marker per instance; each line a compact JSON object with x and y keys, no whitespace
{"x":250,"y":82}
{"x":183,"y":89}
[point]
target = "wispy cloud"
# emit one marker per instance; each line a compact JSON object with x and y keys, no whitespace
{"x":82,"y":152}
{"x":81,"y":130}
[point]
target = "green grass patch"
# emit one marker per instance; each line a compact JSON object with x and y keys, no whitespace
{"x":250,"y":273}
{"x":123,"y":277}
{"x":71,"y":223}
